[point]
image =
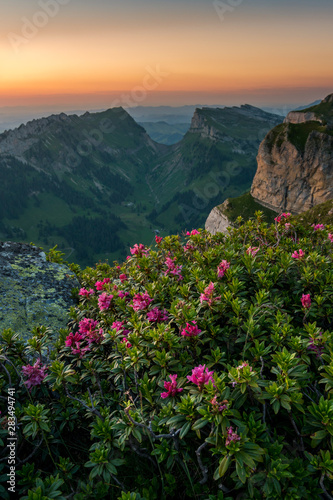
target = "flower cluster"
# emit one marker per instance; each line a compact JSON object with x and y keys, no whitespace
{"x":298,"y":254}
{"x":282,"y":216}
{"x":158,"y":239}
{"x":193,"y":232}
{"x":139,"y":250}
{"x":104,"y":301}
{"x":201,"y":376}
{"x":306,"y":301}
{"x":222,"y":268}
{"x":171,"y":387}
{"x":207,"y":296}
{"x":141,"y":301}
{"x":318,"y":227}
{"x":330,"y":237}
{"x":35,"y":374}
{"x":232,"y":436}
{"x":156,"y":315}
{"x":172,"y":268}
{"x":217,"y":407}
{"x":252,"y":251}
{"x":100,"y":284}
{"x":86,"y":293}
{"x":191,"y":330}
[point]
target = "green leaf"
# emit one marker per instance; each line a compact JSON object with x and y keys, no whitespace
{"x":223,"y":467}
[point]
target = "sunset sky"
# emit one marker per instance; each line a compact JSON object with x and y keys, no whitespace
{"x":150,"y":52}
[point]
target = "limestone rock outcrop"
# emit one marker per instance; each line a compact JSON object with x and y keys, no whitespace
{"x":217,"y":221}
{"x":295,"y":163}
{"x":33,"y":291}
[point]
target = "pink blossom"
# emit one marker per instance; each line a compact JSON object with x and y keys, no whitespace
{"x":217,"y":406}
{"x":207,"y":296}
{"x":318,"y":227}
{"x":119,"y":326}
{"x":222,"y":268}
{"x":188,"y":247}
{"x":104,"y":301}
{"x":35,"y":374}
{"x":89,"y":329}
{"x":158,"y":239}
{"x":157,"y":315}
{"x":171,"y":387}
{"x":139,"y":250}
{"x":99,"y":285}
{"x":73,"y":339}
{"x":284,"y":215}
{"x":252,"y":251}
{"x":232,"y":436}
{"x":298,"y":255}
{"x":193,"y":232}
{"x":330,"y":237}
{"x":125,"y":341}
{"x":173,"y":268}
{"x":123,"y":278}
{"x":141,"y":301}
{"x":191,"y":330}
{"x":87,"y":325}
{"x":200,"y":376}
{"x":80,"y":350}
{"x":306,"y":301}
{"x":287,"y":226}
{"x":106,"y":280}
{"x":123,"y":295}
{"x":86,"y":293}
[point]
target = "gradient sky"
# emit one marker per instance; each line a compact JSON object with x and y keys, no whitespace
{"x":94,"y":52}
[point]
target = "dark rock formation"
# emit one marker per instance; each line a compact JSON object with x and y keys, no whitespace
{"x":33,"y":291}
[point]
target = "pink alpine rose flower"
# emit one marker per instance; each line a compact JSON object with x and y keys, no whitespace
{"x":252,"y":251}
{"x":158,"y":239}
{"x":193,"y":232}
{"x":171,"y":387}
{"x":232,"y":436}
{"x":191,"y":330}
{"x":35,"y":374}
{"x":141,"y":301}
{"x":207,"y":296}
{"x":306,"y":301}
{"x":222,"y":268}
{"x":318,"y":227}
{"x":200,"y":376}
{"x":86,"y":293}
{"x":157,"y":315}
{"x":330,"y":237}
{"x":104,"y":301}
{"x":298,"y":254}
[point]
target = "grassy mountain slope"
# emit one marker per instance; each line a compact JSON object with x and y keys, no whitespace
{"x":97,"y":183}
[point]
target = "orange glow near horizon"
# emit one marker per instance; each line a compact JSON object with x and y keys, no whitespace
{"x":200,"y":54}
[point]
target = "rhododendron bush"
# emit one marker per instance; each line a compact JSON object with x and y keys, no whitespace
{"x":200,"y":368}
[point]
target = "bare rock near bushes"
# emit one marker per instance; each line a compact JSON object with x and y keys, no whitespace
{"x":217,"y":221}
{"x":33,"y":291}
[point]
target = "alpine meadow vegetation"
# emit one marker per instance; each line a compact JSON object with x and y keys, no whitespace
{"x":200,"y":368}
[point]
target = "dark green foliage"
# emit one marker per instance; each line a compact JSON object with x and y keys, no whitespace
{"x":259,"y":425}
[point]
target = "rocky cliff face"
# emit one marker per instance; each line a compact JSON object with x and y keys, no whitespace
{"x":217,"y":221}
{"x":295,"y":161}
{"x":300,"y":117}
